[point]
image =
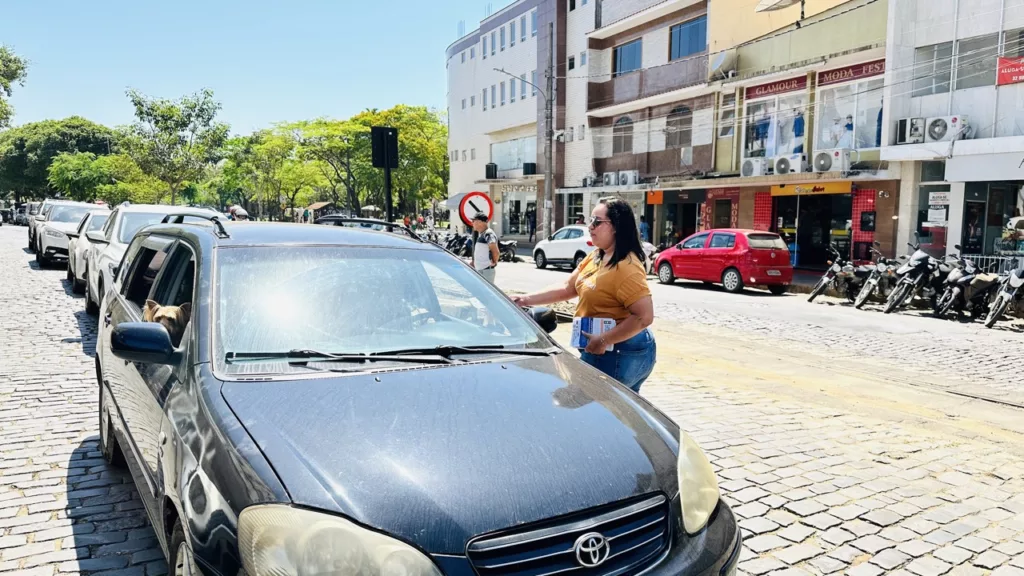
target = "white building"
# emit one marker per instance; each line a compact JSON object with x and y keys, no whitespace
{"x":962,"y":142}
{"x":493,"y":116}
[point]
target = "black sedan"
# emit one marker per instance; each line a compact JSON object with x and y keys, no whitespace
{"x":304,"y":400}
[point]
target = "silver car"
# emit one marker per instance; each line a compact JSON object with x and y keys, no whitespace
{"x":36,"y":210}
{"x":79,"y":246}
{"x":110,"y":243}
{"x":52,"y":230}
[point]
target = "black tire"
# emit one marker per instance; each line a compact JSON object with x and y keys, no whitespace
{"x":778,"y":289}
{"x":92,"y":307}
{"x":896,"y":298}
{"x":31,"y":244}
{"x":943,"y":305}
{"x":732,"y":280}
{"x":108,"y":441}
{"x":665,"y":275}
{"x":577,"y":260}
{"x":818,"y":288}
{"x":540,"y":259}
{"x":43,"y":261}
{"x":69,"y":276}
{"x":181,"y":562}
{"x":997,"y":310}
{"x":862,"y":297}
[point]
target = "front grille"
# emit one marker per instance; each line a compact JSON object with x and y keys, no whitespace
{"x":637,"y":533}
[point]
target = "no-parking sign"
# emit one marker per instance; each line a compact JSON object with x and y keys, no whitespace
{"x":475,"y":203}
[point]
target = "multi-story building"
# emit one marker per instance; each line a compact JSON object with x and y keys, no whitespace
{"x":956,"y":123}
{"x":496,"y":118}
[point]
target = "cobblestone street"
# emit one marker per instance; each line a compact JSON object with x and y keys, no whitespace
{"x":822,"y":487}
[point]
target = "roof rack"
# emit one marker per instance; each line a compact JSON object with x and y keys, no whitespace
{"x":215,"y":220}
{"x":342,"y":220}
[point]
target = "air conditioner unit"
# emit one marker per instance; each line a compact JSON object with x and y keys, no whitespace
{"x":792,"y":164}
{"x":835,"y":160}
{"x":754,"y":167}
{"x":629,"y":177}
{"x":588,"y":181}
{"x":610,"y":178}
{"x":910,"y":131}
{"x":946,"y":128}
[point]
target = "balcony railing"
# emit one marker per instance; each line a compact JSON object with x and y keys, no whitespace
{"x":682,"y":73}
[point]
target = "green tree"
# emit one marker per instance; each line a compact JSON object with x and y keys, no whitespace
{"x":175,"y":141}
{"x":113,"y":178}
{"x":12,"y":71}
{"x":300,"y":181}
{"x":27,"y":151}
{"x":77,"y":175}
{"x":342,"y":148}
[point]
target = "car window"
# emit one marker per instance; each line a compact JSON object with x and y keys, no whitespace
{"x":720,"y":240}
{"x":67,"y":214}
{"x":561,"y":234}
{"x":133,"y":222}
{"x":356,"y":300}
{"x":82,"y":225}
{"x":97,"y":221}
{"x":145,"y":268}
{"x":575,"y":233}
{"x":111,"y":221}
{"x":766,"y":241}
{"x":175,"y":284}
{"x":695,"y":242}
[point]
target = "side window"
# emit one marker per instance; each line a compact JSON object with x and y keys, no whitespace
{"x":574,"y":234}
{"x":695,"y":242}
{"x":82,"y":225}
{"x":144,"y":270}
{"x":561,"y":234}
{"x":176,"y":282}
{"x":128,"y":259}
{"x":723,"y":240}
{"x":110,"y":224}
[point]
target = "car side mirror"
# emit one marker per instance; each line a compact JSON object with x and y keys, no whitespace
{"x":96,"y":237}
{"x":145,"y":342}
{"x":957,"y":246}
{"x":72,"y":234}
{"x":40,"y":218}
{"x":545,"y":318}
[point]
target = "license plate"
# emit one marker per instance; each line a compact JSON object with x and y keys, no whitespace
{"x":774,"y":273}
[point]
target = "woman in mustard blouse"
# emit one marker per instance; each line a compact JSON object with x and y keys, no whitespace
{"x":612,"y":283}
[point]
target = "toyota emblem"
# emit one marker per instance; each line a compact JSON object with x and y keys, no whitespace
{"x":592,"y":549}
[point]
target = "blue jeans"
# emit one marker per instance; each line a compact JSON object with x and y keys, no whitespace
{"x":631,"y":362}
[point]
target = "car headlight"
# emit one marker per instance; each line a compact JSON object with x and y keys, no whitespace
{"x":698,"y":487}
{"x":276,"y":540}
{"x":54,"y":233}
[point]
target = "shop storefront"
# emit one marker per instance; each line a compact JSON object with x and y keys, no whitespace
{"x":811,"y":217}
{"x":849,"y":108}
{"x":675,"y":214}
{"x":517,"y":205}
{"x":775,"y":120}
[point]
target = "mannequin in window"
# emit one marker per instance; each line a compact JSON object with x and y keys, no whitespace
{"x":798,"y":128}
{"x":846,"y":140}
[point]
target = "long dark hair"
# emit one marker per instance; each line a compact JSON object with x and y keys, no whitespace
{"x":627,"y":235}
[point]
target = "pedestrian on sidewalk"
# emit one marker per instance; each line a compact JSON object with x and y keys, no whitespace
{"x":484,"y":256}
{"x":611,"y":282}
{"x":531,"y":222}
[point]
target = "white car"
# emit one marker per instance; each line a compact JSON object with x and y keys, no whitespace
{"x":567,"y":247}
{"x":109,"y":243}
{"x":52,"y":231}
{"x":79,"y":245}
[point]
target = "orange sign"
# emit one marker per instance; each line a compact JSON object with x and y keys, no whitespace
{"x":656,"y":197}
{"x":813,"y":189}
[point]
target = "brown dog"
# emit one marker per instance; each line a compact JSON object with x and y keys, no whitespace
{"x":172,"y":318}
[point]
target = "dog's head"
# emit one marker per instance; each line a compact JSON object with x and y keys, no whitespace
{"x":172,"y":318}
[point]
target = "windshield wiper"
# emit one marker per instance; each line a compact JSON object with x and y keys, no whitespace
{"x":304,"y":356}
{"x":448,"y":351}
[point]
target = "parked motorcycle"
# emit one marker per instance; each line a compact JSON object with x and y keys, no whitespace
{"x":966,"y":288}
{"x":507,"y":250}
{"x":921,"y":275}
{"x":1009,"y":293}
{"x":880,"y":280}
{"x":841,"y":275}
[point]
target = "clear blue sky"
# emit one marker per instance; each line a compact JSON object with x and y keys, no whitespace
{"x":267,"y":61}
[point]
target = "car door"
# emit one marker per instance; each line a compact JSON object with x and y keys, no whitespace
{"x":142,"y":265}
{"x":716,"y":256}
{"x":557,"y":246}
{"x":574,"y":243}
{"x":686,"y":261}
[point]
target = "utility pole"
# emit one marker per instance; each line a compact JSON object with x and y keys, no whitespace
{"x":549,"y":135}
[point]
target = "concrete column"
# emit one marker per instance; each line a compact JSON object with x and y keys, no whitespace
{"x":909,"y":205}
{"x":954,"y":230}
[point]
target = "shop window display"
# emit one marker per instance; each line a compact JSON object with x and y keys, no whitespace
{"x":850,"y":116}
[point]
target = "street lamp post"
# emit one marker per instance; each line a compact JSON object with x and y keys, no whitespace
{"x":547,"y":224}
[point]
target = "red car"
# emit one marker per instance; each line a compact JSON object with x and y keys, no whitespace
{"x":732,"y":258}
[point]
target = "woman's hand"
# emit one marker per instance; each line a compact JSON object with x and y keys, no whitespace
{"x":596,"y":346}
{"x":522,"y":301}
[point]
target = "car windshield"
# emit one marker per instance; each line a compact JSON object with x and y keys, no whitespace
{"x":68,"y":213}
{"x":133,"y":222}
{"x":349,"y":300}
{"x":97,"y":221}
{"x":766,"y":241}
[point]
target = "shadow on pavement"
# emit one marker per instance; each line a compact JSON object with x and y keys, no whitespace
{"x":108,"y":529}
{"x":66,"y":284}
{"x":87,"y":330}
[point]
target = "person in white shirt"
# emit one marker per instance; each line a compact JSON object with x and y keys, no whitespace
{"x":485,"y":248}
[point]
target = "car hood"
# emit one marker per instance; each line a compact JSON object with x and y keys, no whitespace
{"x":441,"y":454}
{"x":64,"y":227}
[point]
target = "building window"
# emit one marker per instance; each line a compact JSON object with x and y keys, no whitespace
{"x":533,"y":83}
{"x":463,"y":103}
{"x":622,"y":136}
{"x":512,"y":33}
{"x":484,"y":52}
{"x":583,"y":131}
{"x":511,"y":154}
{"x":512,"y":91}
{"x":463,"y":155}
{"x":568,"y":134}
{"x":522,"y":28}
{"x":494,"y":96}
{"x":775,"y":126}
{"x":932,"y":69}
{"x":583,"y":2}
{"x":688,"y":38}
{"x":494,"y":43}
{"x":850,"y":115}
{"x":522,"y":86}
{"x":679,"y":128}
{"x":727,"y":116}
{"x":502,"y":93}
{"x":976,"y":61}
{"x":628,"y":57}
{"x":502,"y":38}
{"x":572,"y":62}
{"x":463,"y":56}
{"x":1013,"y":43}
{"x":472,"y":101}
{"x":583,"y":58}
{"x":484,"y":100}
{"x":573,"y":208}
{"x":572,"y":5}
{"x":472,"y":52}
{"x":472,"y":153}
{"x":533,"y":23}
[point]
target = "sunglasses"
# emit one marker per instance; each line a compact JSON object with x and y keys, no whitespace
{"x":594,"y":221}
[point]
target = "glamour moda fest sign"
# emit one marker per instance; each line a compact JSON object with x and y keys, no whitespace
{"x":849,"y":73}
